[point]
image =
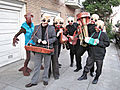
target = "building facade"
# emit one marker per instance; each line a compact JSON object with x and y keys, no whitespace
{"x":12,"y":16}
{"x":63,"y":8}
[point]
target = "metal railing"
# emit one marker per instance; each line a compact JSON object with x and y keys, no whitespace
{"x":75,"y":1}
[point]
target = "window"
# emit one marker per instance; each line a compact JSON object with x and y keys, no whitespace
{"x":51,"y":13}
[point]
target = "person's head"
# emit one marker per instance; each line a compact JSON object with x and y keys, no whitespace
{"x":28,"y":16}
{"x":45,"y":19}
{"x":58,"y":21}
{"x":70,"y":20}
{"x":100,"y":25}
{"x":83,"y":18}
{"x":94,"y":18}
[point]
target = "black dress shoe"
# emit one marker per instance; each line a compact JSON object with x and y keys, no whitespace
{"x":30,"y":85}
{"x":45,"y":83}
{"x":91,"y":74}
{"x":60,"y":64}
{"x":56,"y":77}
{"x":83,"y":77}
{"x":71,"y":65}
{"x":76,"y":70}
{"x":95,"y":81}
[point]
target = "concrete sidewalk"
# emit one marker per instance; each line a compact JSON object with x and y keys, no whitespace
{"x":12,"y":79}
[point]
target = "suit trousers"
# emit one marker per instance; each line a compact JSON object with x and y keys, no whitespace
{"x":55,"y":66}
{"x":90,"y":63}
{"x":80,"y":51}
{"x":37,"y":65}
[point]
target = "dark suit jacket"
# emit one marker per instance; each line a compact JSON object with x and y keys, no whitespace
{"x":98,"y":52}
{"x":51,"y":35}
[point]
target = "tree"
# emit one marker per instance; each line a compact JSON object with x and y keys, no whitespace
{"x":104,"y":9}
{"x":101,"y":7}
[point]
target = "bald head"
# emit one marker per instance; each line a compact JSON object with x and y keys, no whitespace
{"x":45,"y":19}
{"x":28,"y":16}
{"x":70,"y":20}
{"x":58,"y":21}
{"x":94,"y":18}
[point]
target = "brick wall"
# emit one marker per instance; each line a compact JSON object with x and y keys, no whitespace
{"x":35,"y":6}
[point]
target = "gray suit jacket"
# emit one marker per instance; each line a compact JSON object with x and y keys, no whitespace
{"x":51,"y":35}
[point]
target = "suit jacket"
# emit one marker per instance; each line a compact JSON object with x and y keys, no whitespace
{"x":98,"y":52}
{"x":51,"y":35}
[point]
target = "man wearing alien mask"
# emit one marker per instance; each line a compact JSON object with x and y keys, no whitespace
{"x":45,"y":36}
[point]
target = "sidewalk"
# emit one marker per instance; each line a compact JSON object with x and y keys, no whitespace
{"x":12,"y":79}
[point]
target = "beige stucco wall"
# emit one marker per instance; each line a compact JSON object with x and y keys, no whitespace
{"x":35,"y":6}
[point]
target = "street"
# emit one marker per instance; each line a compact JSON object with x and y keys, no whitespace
{"x":12,"y":79}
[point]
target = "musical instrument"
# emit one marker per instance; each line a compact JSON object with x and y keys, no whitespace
{"x":84,"y":18}
{"x":58,"y":22}
{"x":39,"y":49}
{"x":73,"y":40}
{"x":63,"y":38}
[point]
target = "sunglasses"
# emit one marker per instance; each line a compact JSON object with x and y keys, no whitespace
{"x":59,"y":23}
{"x":45,"y":20}
{"x":70,"y":21}
{"x":78,"y":19}
{"x":95,"y":19}
{"x":100,"y":27}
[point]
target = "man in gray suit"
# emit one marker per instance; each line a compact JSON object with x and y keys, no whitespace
{"x":44,"y":36}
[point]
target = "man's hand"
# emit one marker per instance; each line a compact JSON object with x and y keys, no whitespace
{"x":72,"y":38}
{"x":44,"y":42}
{"x":15,"y":40}
{"x":97,"y":41}
{"x":87,"y":39}
{"x":60,"y":31}
{"x":39,"y":40}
